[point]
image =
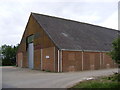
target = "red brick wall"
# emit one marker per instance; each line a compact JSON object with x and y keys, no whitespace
{"x":86,"y":61}
{"x":108,"y":62}
{"x":25,"y":60}
{"x":97,"y":61}
{"x":72,"y":61}
{"x":37,"y":59}
{"x":56,"y":60}
{"x":48,"y":64}
{"x":20,"y":58}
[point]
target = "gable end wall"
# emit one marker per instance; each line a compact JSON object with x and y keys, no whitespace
{"x":41,"y":41}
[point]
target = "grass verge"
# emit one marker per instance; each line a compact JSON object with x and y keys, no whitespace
{"x":101,"y":82}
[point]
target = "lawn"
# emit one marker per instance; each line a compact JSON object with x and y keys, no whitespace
{"x":101,"y":82}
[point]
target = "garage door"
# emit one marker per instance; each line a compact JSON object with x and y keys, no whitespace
{"x":30,"y":55}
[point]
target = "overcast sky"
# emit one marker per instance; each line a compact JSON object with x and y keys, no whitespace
{"x":14,"y":14}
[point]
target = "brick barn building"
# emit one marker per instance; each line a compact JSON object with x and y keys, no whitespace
{"x":60,"y":45}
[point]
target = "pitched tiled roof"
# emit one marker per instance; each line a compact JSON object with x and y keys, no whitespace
{"x":74,"y":35}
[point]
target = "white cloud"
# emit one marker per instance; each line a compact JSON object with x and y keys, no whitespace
{"x":14,"y":14}
{"x":86,"y":18}
{"x":88,"y":1}
{"x":119,"y":15}
{"x":70,"y":0}
{"x":111,"y":21}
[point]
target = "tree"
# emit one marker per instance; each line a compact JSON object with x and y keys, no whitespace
{"x":8,"y":55}
{"x":115,"y":53}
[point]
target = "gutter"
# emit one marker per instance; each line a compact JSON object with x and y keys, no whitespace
{"x":83,"y":50}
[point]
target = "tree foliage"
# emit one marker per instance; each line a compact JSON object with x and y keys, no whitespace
{"x":8,"y":55}
{"x":115,"y":53}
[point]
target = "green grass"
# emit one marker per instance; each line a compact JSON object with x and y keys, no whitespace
{"x":97,"y":84}
{"x":101,"y":82}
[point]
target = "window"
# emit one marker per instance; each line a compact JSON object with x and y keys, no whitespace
{"x":30,"y":38}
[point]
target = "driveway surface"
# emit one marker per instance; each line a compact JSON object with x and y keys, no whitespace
{"x":14,"y":77}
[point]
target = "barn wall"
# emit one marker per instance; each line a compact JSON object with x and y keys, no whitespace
{"x":41,"y":41}
{"x":56,"y":59}
{"x":91,"y":60}
{"x":37,"y":59}
{"x":48,"y":59}
{"x":71,"y":61}
{"x":25,"y":61}
{"x":20,"y":59}
{"x":108,"y":62}
{"x":76,"y":61}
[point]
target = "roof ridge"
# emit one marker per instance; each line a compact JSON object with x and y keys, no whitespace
{"x":74,"y":21}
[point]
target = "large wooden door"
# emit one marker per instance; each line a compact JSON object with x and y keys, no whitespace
{"x":30,"y":55}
